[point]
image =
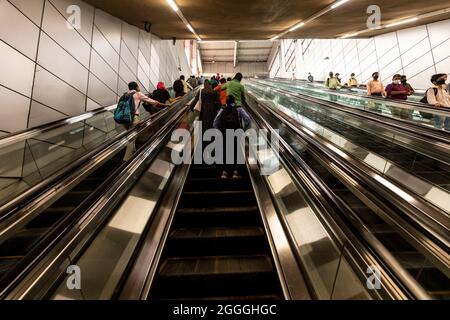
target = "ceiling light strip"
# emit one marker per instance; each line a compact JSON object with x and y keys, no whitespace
{"x":398,"y":23}
{"x":313,"y":17}
{"x":175,"y":8}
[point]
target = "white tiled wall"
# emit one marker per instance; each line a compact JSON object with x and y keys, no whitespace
{"x":417,"y":52}
{"x":49,"y":71}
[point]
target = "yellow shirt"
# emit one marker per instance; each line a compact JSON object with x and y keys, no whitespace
{"x":353,"y":82}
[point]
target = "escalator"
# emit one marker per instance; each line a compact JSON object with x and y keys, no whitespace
{"x":42,"y":216}
{"x":374,"y":218}
{"x":167,"y":232}
{"x":24,"y":245}
{"x":416,"y":169}
{"x":217,"y":247}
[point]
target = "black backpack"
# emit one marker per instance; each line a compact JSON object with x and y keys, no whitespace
{"x":230,"y":119}
{"x":425,"y":99}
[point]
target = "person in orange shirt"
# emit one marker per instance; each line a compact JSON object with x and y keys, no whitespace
{"x":223,"y":94}
{"x":375,"y":87}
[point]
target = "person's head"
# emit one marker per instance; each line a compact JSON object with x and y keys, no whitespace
{"x":161,"y":86}
{"x":223,"y":81}
{"x":397,"y":79}
{"x":404,"y":79}
{"x":239,"y":77}
{"x":229,"y":79}
{"x":337,"y":75}
{"x":178,"y":87}
{"x":182,"y":78}
{"x":439,"y":79}
{"x":231,"y":101}
{"x":375,"y":75}
{"x":207,"y":85}
{"x":133,"y":86}
{"x":309,"y":73}
{"x":331,"y":74}
{"x":352,"y":75}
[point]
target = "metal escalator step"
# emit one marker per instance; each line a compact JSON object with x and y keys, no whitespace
{"x":216,"y":277}
{"x":216,"y":217}
{"x":72,"y":199}
{"x":211,"y":266}
{"x":433,"y":280}
{"x":49,"y":217}
{"x":21,"y":243}
{"x":236,"y":198}
{"x":6,"y":263}
{"x":217,"y":241}
{"x":216,"y":184}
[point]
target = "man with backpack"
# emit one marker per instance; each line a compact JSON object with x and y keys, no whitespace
{"x":128,"y":113}
{"x":232,"y":117}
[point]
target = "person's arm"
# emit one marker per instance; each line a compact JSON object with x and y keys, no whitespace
{"x":217,"y":120}
{"x":369,"y":88}
{"x":411,"y":90}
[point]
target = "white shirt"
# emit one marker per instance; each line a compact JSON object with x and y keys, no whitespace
{"x":139,"y":97}
{"x":442,"y":97}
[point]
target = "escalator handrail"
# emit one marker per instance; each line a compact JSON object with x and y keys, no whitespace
{"x":437,"y":248}
{"x":10,"y":208}
{"x":392,"y":123}
{"x":393,"y":102}
{"x":340,"y":231}
{"x":32,"y":132}
{"x":34,"y":283}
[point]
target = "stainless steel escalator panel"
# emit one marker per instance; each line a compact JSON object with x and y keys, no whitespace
{"x":319,"y":252}
{"x":105,"y":260}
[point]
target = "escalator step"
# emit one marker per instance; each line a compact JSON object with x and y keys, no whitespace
{"x":199,"y":172}
{"x":216,"y":277}
{"x":72,"y":199}
{"x":216,"y":217}
{"x":217,"y":241}
{"x":21,"y":243}
{"x":6,"y":263}
{"x":49,"y":217}
{"x":216,"y":184}
{"x":216,"y":199}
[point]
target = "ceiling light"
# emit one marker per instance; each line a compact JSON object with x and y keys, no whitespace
{"x":190,"y":28}
{"x":402,"y":22}
{"x":199,"y":39}
{"x":274,"y":38}
{"x":338,"y":4}
{"x":350,"y":35}
{"x":173,"y":5}
{"x":297,"y":27}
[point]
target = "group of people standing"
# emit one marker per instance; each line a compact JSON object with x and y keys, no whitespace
{"x":219,"y":104}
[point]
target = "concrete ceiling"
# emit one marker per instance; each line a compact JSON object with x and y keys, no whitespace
{"x":263,"y":19}
{"x":246,"y":51}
